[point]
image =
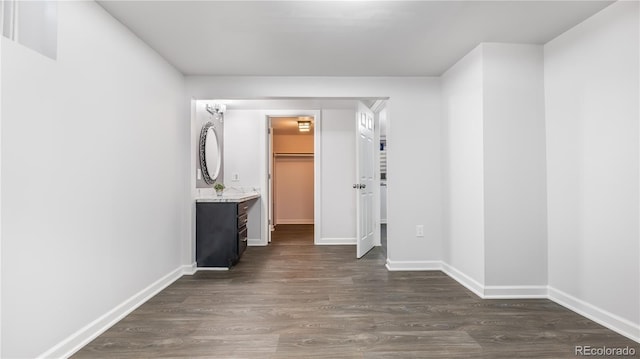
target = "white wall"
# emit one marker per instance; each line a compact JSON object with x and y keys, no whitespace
{"x":293,"y":193}
{"x":293,"y":179}
{"x":1,"y":229}
{"x":244,"y":154}
{"x":302,"y":143}
{"x":592,"y":111}
{"x":462,"y":94}
{"x":338,"y":173}
{"x":514,"y":166}
{"x":36,"y":26}
{"x":244,"y":147}
{"x":94,"y":189}
{"x":414,"y":135}
{"x":493,"y":104}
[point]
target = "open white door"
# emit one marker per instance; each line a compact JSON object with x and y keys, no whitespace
{"x":365,"y":148}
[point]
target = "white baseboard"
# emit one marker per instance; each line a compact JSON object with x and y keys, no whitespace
{"x":617,"y":324}
{"x":210,"y":269}
{"x":190,"y":269}
{"x":465,"y":280}
{"x":256,"y":242}
{"x":335,"y":241}
{"x":413,"y":265}
{"x":82,"y":337}
{"x":294,"y":221}
{"x":514,"y":291}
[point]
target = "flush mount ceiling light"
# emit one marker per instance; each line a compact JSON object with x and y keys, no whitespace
{"x":304,"y":126}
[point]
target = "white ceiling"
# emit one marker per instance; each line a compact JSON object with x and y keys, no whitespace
{"x":338,"y":38}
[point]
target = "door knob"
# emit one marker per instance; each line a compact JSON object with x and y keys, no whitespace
{"x":363,"y":186}
{"x":355,"y":186}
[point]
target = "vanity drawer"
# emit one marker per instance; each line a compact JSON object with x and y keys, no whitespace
{"x":242,"y":220}
{"x":243,"y":207}
{"x":242,"y":241}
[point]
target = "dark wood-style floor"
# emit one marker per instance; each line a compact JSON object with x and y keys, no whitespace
{"x":296,"y":300}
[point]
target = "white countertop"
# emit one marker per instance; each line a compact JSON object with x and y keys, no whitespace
{"x":229,"y":197}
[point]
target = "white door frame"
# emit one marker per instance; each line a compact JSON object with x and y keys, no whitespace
{"x":317,"y":157}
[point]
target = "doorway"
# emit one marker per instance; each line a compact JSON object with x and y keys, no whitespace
{"x":292,"y":187}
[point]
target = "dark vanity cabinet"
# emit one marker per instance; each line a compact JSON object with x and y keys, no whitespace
{"x":221,"y":233}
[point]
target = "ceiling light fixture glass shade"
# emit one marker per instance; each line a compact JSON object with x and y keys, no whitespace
{"x":304,"y":126}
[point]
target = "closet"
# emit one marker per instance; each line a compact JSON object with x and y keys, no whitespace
{"x":293,"y":173}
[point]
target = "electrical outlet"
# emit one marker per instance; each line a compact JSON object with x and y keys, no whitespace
{"x":419,"y":230}
{"x":236,"y":177}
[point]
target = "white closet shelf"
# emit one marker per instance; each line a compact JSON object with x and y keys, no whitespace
{"x":293,"y":154}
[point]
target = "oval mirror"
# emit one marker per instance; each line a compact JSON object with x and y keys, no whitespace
{"x":209,"y":153}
